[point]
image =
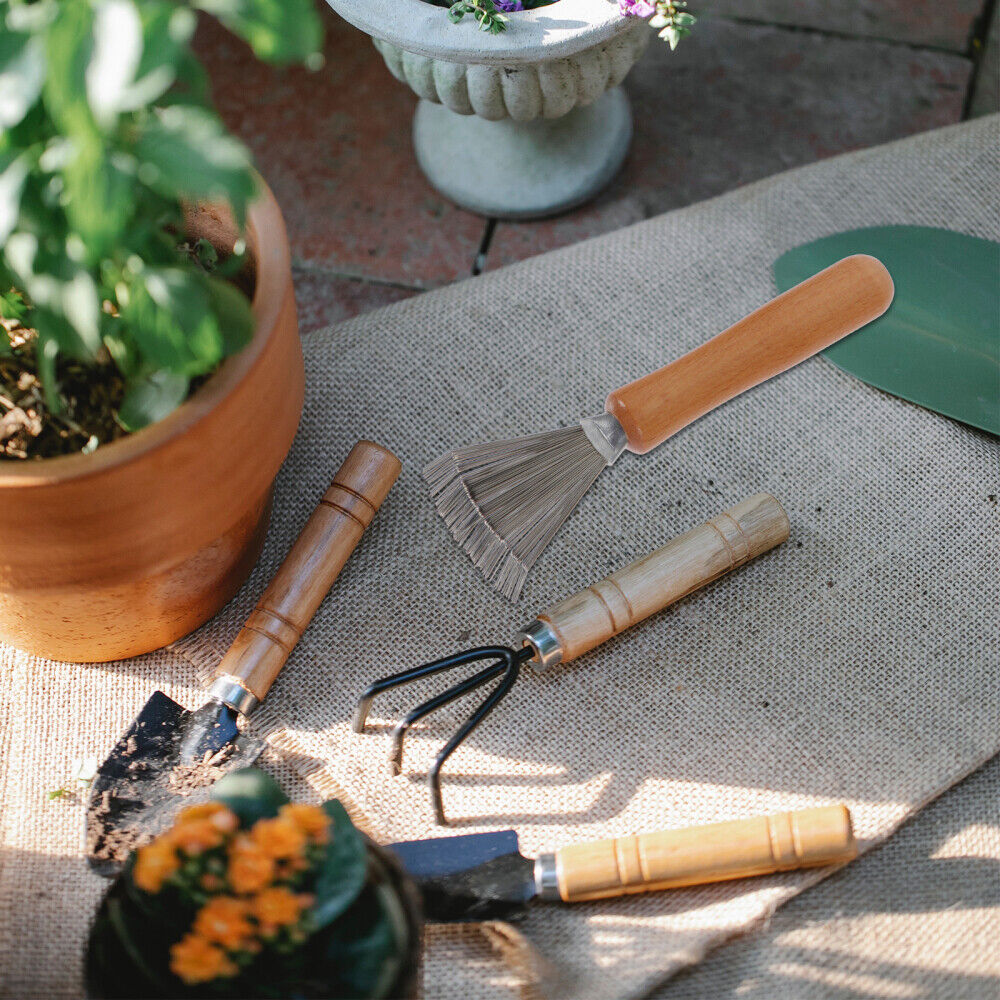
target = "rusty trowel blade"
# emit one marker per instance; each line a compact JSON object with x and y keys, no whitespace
{"x":168,"y":758}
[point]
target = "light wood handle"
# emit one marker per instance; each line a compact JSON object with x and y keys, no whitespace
{"x":794,"y":326}
{"x":596,"y":613}
{"x":806,"y":838}
{"x":314,"y":562}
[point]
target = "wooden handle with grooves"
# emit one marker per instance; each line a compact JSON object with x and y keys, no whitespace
{"x":794,"y":326}
{"x":314,"y":562}
{"x":806,"y":838}
{"x":596,"y":613}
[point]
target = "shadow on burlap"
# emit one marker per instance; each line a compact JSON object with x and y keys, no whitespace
{"x":856,"y":663}
{"x":919,"y":918}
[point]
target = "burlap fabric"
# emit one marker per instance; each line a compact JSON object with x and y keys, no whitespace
{"x":857,"y":663}
{"x":919,"y":918}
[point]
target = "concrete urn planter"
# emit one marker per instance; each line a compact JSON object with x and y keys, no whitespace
{"x":519,"y":125}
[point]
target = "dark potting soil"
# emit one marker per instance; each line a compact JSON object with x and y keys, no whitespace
{"x":90,"y":394}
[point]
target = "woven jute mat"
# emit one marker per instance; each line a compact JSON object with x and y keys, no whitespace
{"x":856,"y":663}
{"x":917,"y":918}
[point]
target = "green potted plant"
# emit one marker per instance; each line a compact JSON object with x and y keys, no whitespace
{"x":249,"y":895}
{"x":150,"y":370}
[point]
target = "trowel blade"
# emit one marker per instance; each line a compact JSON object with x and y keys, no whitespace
{"x":471,"y":877}
{"x":168,"y":758}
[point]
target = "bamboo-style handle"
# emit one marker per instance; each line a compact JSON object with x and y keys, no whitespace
{"x":314,"y":562}
{"x":794,"y":326}
{"x":806,"y":838}
{"x":596,"y":613}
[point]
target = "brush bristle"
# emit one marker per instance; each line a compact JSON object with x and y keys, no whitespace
{"x":505,"y":501}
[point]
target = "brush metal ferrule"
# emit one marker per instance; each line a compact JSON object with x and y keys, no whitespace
{"x":544,"y":640}
{"x":547,"y":877}
{"x":607,"y":436}
{"x":231,"y":692}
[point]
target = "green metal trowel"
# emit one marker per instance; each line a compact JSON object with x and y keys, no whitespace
{"x":938,"y":345}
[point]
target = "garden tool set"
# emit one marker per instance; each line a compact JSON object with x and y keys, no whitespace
{"x":483,"y":876}
{"x":588,"y":618}
{"x":504,"y":501}
{"x":142,"y":783}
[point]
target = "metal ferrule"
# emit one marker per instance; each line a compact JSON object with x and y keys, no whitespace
{"x":546,"y":877}
{"x":231,"y":692}
{"x":545,"y":642}
{"x":607,"y":436}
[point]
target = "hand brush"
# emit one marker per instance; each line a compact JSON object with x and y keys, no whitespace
{"x":505,"y":501}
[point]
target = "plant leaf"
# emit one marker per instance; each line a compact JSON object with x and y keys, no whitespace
{"x":13,"y":174}
{"x":151,"y":398}
{"x":12,"y":305}
{"x":117,"y":50}
{"x":251,"y":793}
{"x":22,"y":74}
{"x":185,"y":152}
{"x":344,"y":868}
{"x":277,"y":30}
{"x":168,"y":307}
{"x":69,"y":49}
{"x":65,"y":302}
{"x":99,"y":197}
{"x":232,"y":312}
{"x":938,"y":344}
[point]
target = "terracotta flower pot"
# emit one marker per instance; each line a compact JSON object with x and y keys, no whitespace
{"x":112,"y":554}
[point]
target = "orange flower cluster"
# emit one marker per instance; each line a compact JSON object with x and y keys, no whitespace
{"x":249,"y":879}
{"x":197,"y":829}
{"x":229,"y":930}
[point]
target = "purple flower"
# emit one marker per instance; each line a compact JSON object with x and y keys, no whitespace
{"x":636,"y":8}
{"x":508,"y":5}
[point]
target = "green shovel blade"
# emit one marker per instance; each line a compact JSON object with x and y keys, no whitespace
{"x":939,"y":343}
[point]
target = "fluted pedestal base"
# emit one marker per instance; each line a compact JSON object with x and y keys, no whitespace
{"x":523,"y":170}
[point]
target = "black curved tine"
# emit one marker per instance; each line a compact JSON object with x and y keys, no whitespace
{"x":415,"y":673}
{"x":426,"y":707}
{"x":511,"y":670}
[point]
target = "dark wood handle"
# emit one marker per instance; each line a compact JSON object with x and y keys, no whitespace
{"x":314,"y":562}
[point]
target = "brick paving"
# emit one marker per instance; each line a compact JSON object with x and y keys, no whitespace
{"x":985,"y":97}
{"x":917,"y":22}
{"x":779,"y":84}
{"x":738,"y":102}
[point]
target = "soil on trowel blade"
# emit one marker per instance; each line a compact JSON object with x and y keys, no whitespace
{"x":144,"y":802}
{"x":105,"y":840}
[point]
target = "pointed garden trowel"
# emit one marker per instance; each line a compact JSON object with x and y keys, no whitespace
{"x":168,"y":752}
{"x":483,"y":876}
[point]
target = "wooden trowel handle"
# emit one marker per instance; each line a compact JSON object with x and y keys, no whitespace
{"x":314,"y":562}
{"x":806,"y":838}
{"x":794,"y":326}
{"x":595,"y":614}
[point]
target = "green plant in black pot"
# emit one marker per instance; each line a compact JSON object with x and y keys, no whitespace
{"x":250,"y":895}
